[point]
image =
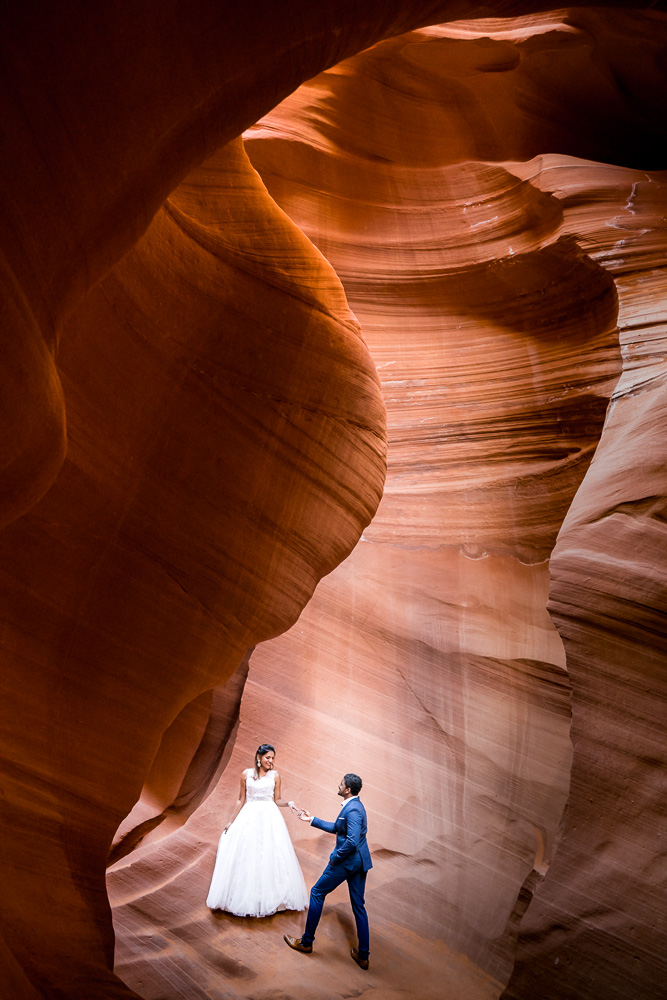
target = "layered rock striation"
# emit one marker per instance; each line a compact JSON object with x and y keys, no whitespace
{"x":193,"y":436}
{"x":597,"y":924}
{"x":396,"y":208}
{"x":488,"y":294}
{"x":564,"y":229}
{"x":154,"y":563}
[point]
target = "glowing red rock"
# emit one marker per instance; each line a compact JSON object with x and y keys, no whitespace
{"x":226,"y":448}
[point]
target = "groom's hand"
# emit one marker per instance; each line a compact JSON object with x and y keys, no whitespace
{"x":305,"y":816}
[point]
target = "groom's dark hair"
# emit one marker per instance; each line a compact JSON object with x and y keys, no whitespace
{"x":353,"y":782}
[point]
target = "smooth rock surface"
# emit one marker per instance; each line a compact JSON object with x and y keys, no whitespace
{"x":597,"y":926}
{"x":427,"y":661}
{"x":225,"y":438}
{"x":605,"y":892}
{"x":156,"y":561}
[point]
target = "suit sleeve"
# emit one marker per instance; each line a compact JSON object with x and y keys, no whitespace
{"x":323,"y":824}
{"x":353,"y":838}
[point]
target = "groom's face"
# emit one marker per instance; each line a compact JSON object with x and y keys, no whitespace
{"x":343,"y":790}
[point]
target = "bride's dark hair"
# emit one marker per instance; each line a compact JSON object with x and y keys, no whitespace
{"x":261,"y":750}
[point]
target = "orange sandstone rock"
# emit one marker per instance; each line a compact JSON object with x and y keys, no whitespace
{"x":226,"y":448}
{"x":222,"y":457}
{"x":457,"y":443}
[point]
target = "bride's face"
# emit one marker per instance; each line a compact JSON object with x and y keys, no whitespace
{"x":266,"y":760}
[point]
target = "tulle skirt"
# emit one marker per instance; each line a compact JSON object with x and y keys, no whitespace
{"x":256,"y":870}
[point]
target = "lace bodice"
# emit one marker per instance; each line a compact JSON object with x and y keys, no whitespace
{"x":260,"y":790}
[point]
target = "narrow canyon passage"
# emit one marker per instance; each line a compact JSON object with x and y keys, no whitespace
{"x":428,"y":660}
{"x":334,"y":416}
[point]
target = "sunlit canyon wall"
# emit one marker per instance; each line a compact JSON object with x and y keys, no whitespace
{"x":463,"y":226}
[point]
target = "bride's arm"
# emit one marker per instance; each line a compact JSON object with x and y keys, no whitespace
{"x":283,"y":803}
{"x":240,"y":803}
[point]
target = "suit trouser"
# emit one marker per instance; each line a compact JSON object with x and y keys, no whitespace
{"x":330,"y":879}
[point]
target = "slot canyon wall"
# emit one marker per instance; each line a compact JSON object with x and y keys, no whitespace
{"x":436,"y":254}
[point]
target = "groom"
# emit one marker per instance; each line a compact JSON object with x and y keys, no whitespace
{"x":348,"y":862}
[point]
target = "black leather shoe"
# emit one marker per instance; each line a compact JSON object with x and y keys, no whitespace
{"x":361,"y":962}
{"x":298,"y":945}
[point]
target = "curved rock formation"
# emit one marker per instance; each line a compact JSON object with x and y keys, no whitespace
{"x":154,"y":562}
{"x":226,"y":448}
{"x":90,"y":152}
{"x":495,"y":339}
{"x":596,"y":926}
{"x":409,"y":212}
{"x":399,"y":215}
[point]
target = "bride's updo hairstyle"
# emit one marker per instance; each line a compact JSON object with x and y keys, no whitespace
{"x":259,"y":753}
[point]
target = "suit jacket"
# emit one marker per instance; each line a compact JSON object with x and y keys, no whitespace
{"x":351,"y":850}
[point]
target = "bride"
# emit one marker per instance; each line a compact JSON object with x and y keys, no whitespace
{"x":256,"y":870}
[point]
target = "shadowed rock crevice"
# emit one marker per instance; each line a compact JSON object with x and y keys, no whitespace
{"x":220,"y":709}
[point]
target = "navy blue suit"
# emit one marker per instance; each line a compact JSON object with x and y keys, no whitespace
{"x":348,"y":862}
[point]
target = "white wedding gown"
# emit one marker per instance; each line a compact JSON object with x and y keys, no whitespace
{"x":256,"y":870}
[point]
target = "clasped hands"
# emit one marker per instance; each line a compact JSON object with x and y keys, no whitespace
{"x":301,"y":813}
